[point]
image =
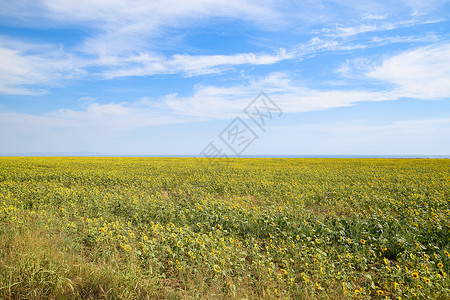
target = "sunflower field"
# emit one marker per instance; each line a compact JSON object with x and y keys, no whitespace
{"x":245,"y":228}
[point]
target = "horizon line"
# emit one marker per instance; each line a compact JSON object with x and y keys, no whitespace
{"x":94,"y":154}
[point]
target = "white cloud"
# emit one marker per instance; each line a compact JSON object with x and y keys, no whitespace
{"x":191,"y":65}
{"x":384,"y":40}
{"x":422,"y":73}
{"x":121,"y":37}
{"x":207,"y":103}
{"x":225,"y":102}
{"x":22,"y":67}
{"x":16,"y":70}
{"x":317,"y":45}
{"x":374,"y":17}
{"x":121,"y":40}
{"x":341,"y":42}
{"x":212,"y":102}
{"x":341,"y":31}
{"x":25,"y":65}
{"x":378,"y":25}
{"x":87,"y":99}
{"x":123,"y":27}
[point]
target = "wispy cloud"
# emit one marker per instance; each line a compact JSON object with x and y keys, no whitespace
{"x":374,"y":17}
{"x":422,"y":73}
{"x":341,"y":31}
{"x":225,"y":102}
{"x":25,"y":65}
{"x":387,"y":40}
{"x":207,"y":103}
{"x":121,"y":37}
{"x":191,"y":65}
{"x":121,"y":28}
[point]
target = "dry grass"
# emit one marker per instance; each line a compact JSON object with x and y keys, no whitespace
{"x":33,"y":266}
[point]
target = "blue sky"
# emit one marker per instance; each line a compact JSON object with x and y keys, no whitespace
{"x":166,"y":77}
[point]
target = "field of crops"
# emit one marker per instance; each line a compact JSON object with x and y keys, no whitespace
{"x":175,"y":228}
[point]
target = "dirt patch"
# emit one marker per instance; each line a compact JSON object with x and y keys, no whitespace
{"x":323,"y":211}
{"x":165,"y":194}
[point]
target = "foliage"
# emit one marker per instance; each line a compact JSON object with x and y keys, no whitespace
{"x":134,"y":228}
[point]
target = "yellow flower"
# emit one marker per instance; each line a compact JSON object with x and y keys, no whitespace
{"x":380,"y":292}
{"x":426,"y":257}
{"x":216,"y":268}
{"x":127,"y":248}
{"x":395,"y":285}
{"x":363,"y":241}
{"x":415,"y":275}
{"x":426,"y":280}
{"x":180,"y":244}
{"x":411,"y":255}
{"x":304,"y":278}
{"x":357,"y":293}
{"x":440,"y":265}
{"x":419,"y":286}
